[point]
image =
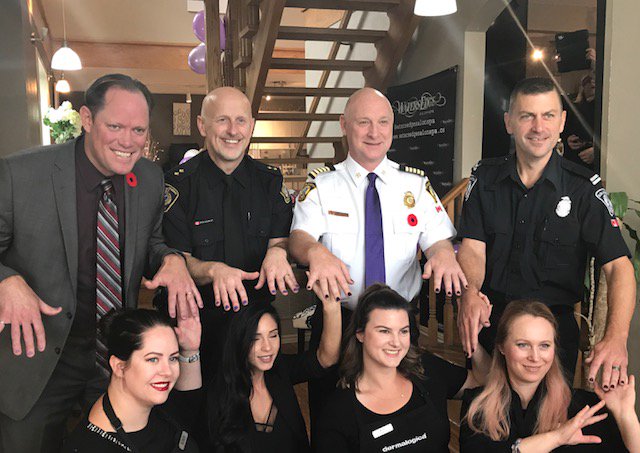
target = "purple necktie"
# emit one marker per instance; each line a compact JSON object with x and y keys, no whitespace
{"x":373,"y":236}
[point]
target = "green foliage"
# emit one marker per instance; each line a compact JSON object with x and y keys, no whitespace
{"x":623,"y":205}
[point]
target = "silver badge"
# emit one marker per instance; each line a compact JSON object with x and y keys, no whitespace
{"x":472,"y":182}
{"x":564,"y":207}
{"x":601,"y":195}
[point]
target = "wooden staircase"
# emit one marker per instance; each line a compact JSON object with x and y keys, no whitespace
{"x":258,"y":39}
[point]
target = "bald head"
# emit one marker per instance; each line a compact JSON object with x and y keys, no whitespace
{"x":363,"y":98}
{"x":368,"y":125}
{"x":226,"y":124}
{"x":220,"y":96}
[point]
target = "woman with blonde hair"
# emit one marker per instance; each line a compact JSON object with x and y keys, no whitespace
{"x":527,"y":406}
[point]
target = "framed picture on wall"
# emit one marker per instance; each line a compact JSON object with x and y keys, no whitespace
{"x":181,"y":118}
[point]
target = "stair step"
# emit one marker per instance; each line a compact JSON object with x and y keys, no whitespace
{"x":350,"y":5}
{"x":330,"y":34}
{"x":295,"y":139}
{"x":297,"y":116}
{"x":320,"y":65}
{"x":306,"y":91}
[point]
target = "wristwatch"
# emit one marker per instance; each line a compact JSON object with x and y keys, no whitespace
{"x":192,"y":358}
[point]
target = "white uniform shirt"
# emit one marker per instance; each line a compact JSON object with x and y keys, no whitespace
{"x":412,"y":216}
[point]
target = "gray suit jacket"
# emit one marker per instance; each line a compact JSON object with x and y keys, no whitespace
{"x":39,"y":241}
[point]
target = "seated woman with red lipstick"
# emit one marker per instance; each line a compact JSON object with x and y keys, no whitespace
{"x":393,"y":398}
{"x":148,"y":358}
{"x":252,"y":406}
{"x":527,"y":405}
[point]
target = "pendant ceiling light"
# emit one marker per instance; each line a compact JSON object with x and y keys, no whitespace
{"x":62,"y":86}
{"x":65,"y":59}
{"x":435,"y":7}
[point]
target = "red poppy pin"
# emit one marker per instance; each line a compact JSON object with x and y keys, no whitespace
{"x":412,"y":220}
{"x":131,"y":179}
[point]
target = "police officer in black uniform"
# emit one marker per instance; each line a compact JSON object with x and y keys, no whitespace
{"x":231,"y":216}
{"x":529,"y":222}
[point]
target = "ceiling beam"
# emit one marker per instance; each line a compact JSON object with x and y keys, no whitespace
{"x":214,"y":67}
{"x":263,"y":43}
{"x":391,"y":49}
{"x":135,"y":56}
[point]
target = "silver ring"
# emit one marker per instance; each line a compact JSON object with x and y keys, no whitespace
{"x":616,"y":367}
{"x":3,"y":323}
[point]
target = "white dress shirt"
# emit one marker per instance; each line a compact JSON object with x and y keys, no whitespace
{"x":412,"y":216}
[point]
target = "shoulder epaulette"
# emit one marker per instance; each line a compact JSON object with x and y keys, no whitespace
{"x":179,"y":172}
{"x":580,"y":171}
{"x":267,"y":168}
{"x":408,"y":169}
{"x":321,"y":170}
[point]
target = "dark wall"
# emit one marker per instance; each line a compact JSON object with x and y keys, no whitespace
{"x":20,"y":111}
{"x":505,"y":65}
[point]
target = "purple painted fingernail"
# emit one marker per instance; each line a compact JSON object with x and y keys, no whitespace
{"x":437,"y":290}
{"x":606,"y":387}
{"x":612,"y":386}
{"x":236,"y":308}
{"x":590,"y":379}
{"x":245,"y":302}
{"x":337,"y":299}
{"x":273,"y":291}
{"x":284,"y":293}
{"x":226,"y":307}
{"x":326,"y":296}
{"x":349,"y":294}
{"x":308,"y":288}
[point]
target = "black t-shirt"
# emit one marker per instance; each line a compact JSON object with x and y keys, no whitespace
{"x":537,"y":240}
{"x":344,"y":416}
{"x":161,"y":435}
{"x":523,"y":423}
{"x":193,"y":214}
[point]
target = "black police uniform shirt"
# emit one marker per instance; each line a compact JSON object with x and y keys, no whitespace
{"x":421,"y":425}
{"x":523,"y":422}
{"x":193,"y":218}
{"x":538,"y":239}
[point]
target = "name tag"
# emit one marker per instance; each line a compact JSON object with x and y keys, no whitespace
{"x":386,"y":429}
{"x":339,"y":214}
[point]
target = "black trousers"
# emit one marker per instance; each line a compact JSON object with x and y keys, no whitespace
{"x":75,"y":379}
{"x":568,"y":336}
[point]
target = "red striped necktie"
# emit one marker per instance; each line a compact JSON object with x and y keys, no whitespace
{"x":108,"y":273}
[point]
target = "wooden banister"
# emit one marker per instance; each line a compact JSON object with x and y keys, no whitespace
{"x":452,"y":203}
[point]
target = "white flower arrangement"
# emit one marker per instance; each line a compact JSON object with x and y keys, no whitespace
{"x":64,"y":122}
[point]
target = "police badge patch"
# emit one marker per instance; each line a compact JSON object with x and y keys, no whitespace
{"x":601,"y":195}
{"x":171,"y":194}
{"x":285,"y":194}
{"x":308,"y":187}
{"x":430,"y":191}
{"x":472,"y":182}
{"x":564,"y":207}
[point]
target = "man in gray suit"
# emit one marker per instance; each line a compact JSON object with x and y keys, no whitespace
{"x":49,"y":200}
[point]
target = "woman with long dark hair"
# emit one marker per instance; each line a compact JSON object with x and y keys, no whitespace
{"x":148,"y":358}
{"x":527,"y":406}
{"x":392,"y":396}
{"x":252,"y":406}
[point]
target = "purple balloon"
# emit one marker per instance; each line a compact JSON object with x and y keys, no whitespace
{"x":223,"y":35}
{"x":198,"y":59}
{"x":199,"y":26}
